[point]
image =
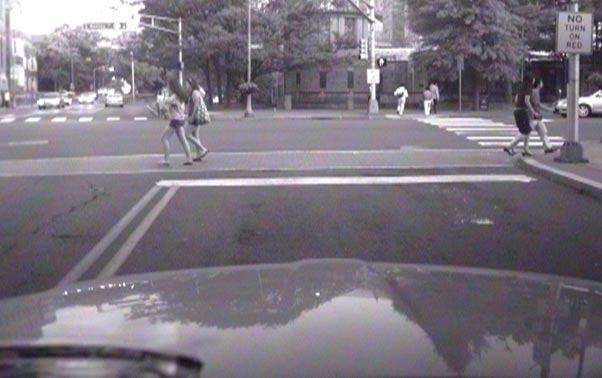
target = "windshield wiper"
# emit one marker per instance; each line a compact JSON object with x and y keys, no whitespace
{"x":77,"y":361}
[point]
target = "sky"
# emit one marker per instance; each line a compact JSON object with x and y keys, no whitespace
{"x":35,"y":17}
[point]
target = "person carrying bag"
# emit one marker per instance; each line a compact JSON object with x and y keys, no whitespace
{"x":197,"y":115}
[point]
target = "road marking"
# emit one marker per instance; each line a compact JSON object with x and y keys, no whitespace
{"x":531,"y":144}
{"x":359,"y":180}
{"x":140,"y":118}
{"x":110,"y":119}
{"x":28,"y":143}
{"x":59,"y":119}
{"x":85,"y":119}
{"x":126,"y":249}
{"x":33,"y":119}
{"x":82,"y":267}
{"x":7,"y":120}
{"x":496,"y":128}
{"x":509,"y":138}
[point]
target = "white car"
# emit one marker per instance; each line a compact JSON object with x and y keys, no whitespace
{"x":50,"y":100}
{"x":588,"y":105}
{"x":114,"y":99}
{"x":86,"y":98}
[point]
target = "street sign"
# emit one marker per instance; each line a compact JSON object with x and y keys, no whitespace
{"x":381,"y":62}
{"x":373,"y":76}
{"x":460,"y":62}
{"x":106,"y":26}
{"x":256,"y":46}
{"x":574,"y":33}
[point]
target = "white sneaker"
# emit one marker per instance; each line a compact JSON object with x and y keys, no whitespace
{"x":163,"y":163}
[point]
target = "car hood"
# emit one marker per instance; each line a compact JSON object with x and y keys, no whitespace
{"x":330,"y":318}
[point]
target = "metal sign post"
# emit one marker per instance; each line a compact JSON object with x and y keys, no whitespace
{"x":573,"y":36}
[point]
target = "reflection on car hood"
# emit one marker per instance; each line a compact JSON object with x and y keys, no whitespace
{"x":331,"y":318}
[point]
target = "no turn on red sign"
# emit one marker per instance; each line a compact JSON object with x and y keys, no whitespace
{"x":574,"y":32}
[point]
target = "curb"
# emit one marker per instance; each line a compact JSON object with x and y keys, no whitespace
{"x":579,"y":183}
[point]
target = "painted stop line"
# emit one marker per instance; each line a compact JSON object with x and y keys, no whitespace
{"x":360,"y":180}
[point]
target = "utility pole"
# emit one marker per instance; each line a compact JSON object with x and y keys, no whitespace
{"x":134,"y":78}
{"x":371,"y":18}
{"x":373,"y":106}
{"x":181,"y":60}
{"x":9,"y":55}
{"x":249,"y":110}
{"x":72,"y":86}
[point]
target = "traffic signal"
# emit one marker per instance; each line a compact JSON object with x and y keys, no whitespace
{"x":382,"y":62}
{"x":363,"y":49}
{"x":598,"y":36}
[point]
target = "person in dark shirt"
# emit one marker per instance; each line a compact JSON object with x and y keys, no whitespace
{"x":523,"y":114}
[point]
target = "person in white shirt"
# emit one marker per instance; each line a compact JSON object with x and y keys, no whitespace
{"x":434,"y":88}
{"x":402,"y":95}
{"x":177,"y":116}
{"x":428,"y":101}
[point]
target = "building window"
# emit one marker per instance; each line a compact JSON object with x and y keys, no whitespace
{"x":350,"y":79}
{"x":19,"y":60}
{"x":350,"y":33}
{"x":298,"y":78}
{"x":322,"y":79}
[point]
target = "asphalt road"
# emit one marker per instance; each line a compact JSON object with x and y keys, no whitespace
{"x":272,"y":204}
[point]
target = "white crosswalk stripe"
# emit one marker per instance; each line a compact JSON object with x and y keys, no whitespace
{"x":62,"y":119}
{"x":486,"y":133}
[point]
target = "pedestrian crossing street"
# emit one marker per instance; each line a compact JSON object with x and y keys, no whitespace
{"x":485,"y":132}
{"x":8,"y":119}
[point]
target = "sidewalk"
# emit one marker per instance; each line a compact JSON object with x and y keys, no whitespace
{"x":584,"y":177}
{"x":342,"y":114}
{"x":265,"y":161}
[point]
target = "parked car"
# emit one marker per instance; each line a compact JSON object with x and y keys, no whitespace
{"x":114,"y":99}
{"x":86,"y":98}
{"x":50,"y":100}
{"x":588,"y":105}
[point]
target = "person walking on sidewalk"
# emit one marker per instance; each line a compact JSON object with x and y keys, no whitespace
{"x":402,"y":95}
{"x":434,"y":88}
{"x":537,"y":123}
{"x":523,"y":114}
{"x":428,"y":100}
{"x":176,"y":104}
{"x":197,"y":116}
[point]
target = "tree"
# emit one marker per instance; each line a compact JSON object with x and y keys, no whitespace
{"x":490,"y":34}
{"x":57,"y":51}
{"x":292,"y":33}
